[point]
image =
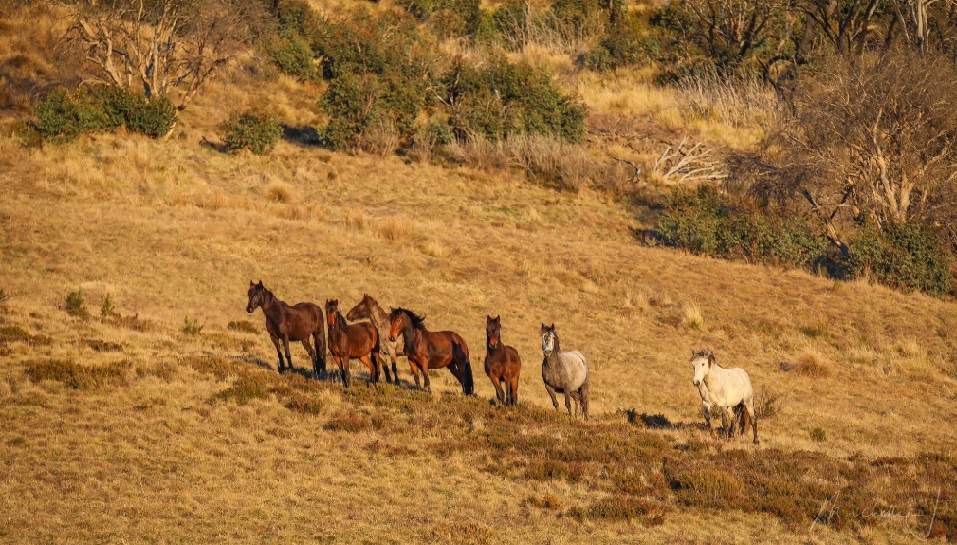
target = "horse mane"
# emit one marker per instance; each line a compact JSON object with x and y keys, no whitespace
{"x":706,"y":353}
{"x":340,"y":321}
{"x":418,"y":322}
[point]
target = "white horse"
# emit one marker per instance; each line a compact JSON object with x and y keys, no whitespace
{"x":564,"y":372}
{"x":726,"y":389}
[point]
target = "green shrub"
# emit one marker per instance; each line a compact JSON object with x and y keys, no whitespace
{"x":247,"y":387}
{"x":63,"y":116}
{"x":621,"y":45}
{"x":256,"y":131}
{"x":191,"y":326}
{"x":74,"y":304}
{"x":296,"y":18}
{"x":703,"y":222}
{"x":907,"y":257}
{"x":499,"y":98}
{"x":107,"y":309}
{"x":155,"y":118}
{"x":293,"y":56}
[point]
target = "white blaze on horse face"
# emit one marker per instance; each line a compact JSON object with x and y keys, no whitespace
{"x":700,"y":366}
{"x":548,"y":343}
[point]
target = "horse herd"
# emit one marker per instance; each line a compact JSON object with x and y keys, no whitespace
{"x":726,"y":390}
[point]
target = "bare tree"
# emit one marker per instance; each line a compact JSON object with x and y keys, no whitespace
{"x":161,"y":45}
{"x":875,"y":142}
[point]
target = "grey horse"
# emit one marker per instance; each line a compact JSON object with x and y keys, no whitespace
{"x":369,"y":309}
{"x":564,"y":372}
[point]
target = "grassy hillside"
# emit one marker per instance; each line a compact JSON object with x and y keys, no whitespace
{"x":132,"y":427}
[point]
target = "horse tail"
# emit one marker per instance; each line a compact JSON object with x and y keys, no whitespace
{"x":746,"y":420}
{"x":460,"y":352}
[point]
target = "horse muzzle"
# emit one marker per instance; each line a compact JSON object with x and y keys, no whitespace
{"x":392,"y":338}
{"x":250,"y":309}
{"x":696,"y":383}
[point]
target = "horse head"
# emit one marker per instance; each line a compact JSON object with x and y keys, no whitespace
{"x":332,"y":310}
{"x":701,"y":362}
{"x":493,"y":330}
{"x":363,"y":309}
{"x":549,"y":339}
{"x":397,"y":321}
{"x":257,"y":296}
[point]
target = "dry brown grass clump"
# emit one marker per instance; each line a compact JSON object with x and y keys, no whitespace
{"x":808,"y":364}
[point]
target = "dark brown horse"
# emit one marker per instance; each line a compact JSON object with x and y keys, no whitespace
{"x":502,"y":363}
{"x":290,"y":323}
{"x":352,"y":341}
{"x":369,"y":309}
{"x":431,"y":350}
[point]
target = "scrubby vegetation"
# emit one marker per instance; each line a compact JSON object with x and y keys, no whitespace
{"x":259,"y":132}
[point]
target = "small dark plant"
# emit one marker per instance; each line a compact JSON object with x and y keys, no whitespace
{"x":191,"y":326}
{"x":74,"y":304}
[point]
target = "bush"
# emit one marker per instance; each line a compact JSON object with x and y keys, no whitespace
{"x":62,"y":116}
{"x":703,"y":222}
{"x":621,"y":45}
{"x":74,"y":304}
{"x":499,"y":98}
{"x":907,"y":257}
{"x":77,"y":376}
{"x":256,"y":131}
{"x":155,"y":118}
{"x":293,"y":56}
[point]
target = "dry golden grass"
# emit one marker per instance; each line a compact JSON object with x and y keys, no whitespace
{"x":126,"y":429}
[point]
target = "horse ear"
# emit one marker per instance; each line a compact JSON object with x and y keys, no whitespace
{"x":260,"y":283}
{"x":552,"y":326}
{"x":710,"y":359}
{"x":251,"y":284}
{"x":498,"y":318}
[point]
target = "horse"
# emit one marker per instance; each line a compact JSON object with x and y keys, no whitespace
{"x":726,"y":389}
{"x":352,"y":341}
{"x":502,"y":363}
{"x":564,"y":372}
{"x":431,"y":350}
{"x":290,"y":323}
{"x":369,"y":309}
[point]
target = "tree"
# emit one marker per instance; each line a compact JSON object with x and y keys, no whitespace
{"x":161,"y":45}
{"x":874,"y":141}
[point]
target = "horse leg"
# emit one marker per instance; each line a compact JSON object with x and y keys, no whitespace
{"x":584,"y":396}
{"x":706,"y":411}
{"x":373,"y":370}
{"x":276,"y":343}
{"x":319,"y":364}
{"x":425,"y":376}
{"x":311,"y":352}
{"x":727,"y":420}
{"x":513,"y":390}
{"x":385,"y":367}
{"x":414,"y":367}
{"x":285,"y":345}
{"x":568,"y":401}
{"x":551,"y":393}
{"x":395,"y":368}
{"x":749,"y":407}
{"x":499,"y":394}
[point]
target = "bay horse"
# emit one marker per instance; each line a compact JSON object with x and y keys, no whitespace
{"x":431,"y":350}
{"x":290,"y":323}
{"x":564,"y":372}
{"x":346,"y":341}
{"x":726,"y":389}
{"x":368,"y":309}
{"x":502,"y":363}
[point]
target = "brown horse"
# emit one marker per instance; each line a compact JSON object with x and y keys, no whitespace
{"x":431,"y":350}
{"x":369,"y":309}
{"x":502,"y":363}
{"x":290,"y":323}
{"x":352,"y":341}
